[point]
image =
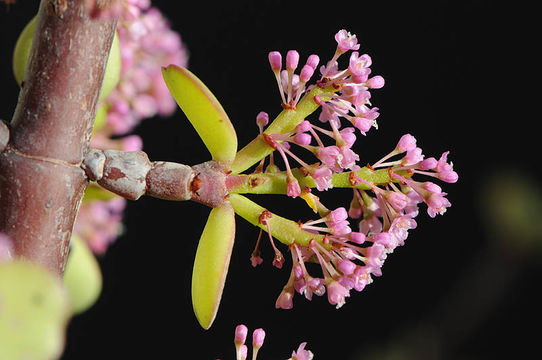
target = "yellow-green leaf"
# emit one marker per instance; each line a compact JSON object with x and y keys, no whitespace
{"x":22,"y":52}
{"x":82,"y":276}
{"x":211,"y":263}
{"x":34,"y":312}
{"x":204,"y":112}
{"x":96,"y":193}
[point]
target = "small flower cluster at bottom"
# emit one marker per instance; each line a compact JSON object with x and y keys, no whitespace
{"x":258,"y":336}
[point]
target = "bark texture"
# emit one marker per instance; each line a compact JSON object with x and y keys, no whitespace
{"x":41,"y":179}
{"x":131,"y":175}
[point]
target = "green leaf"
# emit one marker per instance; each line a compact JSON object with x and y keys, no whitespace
{"x":82,"y":276}
{"x":204,"y":112}
{"x":94,"y":192}
{"x":211,"y":263}
{"x":22,"y":52}
{"x":34,"y":311}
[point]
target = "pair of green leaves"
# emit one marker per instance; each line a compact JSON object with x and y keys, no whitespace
{"x":216,"y":243}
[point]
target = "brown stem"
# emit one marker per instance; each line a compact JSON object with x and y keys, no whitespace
{"x":41,"y":181}
{"x":130,"y":174}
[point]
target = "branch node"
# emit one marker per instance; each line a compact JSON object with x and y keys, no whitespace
{"x":125,"y":172}
{"x":94,"y":164}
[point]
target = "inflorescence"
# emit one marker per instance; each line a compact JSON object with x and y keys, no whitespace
{"x":354,"y":251}
{"x":258,"y":336}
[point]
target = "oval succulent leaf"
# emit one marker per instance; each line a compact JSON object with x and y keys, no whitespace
{"x":22,"y":53}
{"x":82,"y":276}
{"x":204,"y":112}
{"x":211,"y":263}
{"x":34,"y":312}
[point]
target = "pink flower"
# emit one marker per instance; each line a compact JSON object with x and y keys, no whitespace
{"x":346,"y":41}
{"x":292,"y":188}
{"x":329,"y":155}
{"x":437,"y":204}
{"x":146,"y":43}
{"x":406,"y":143}
{"x":360,"y":65}
{"x":285,"y":299}
{"x":301,"y":353}
{"x":336,"y":293}
{"x":99,"y":223}
{"x":322,"y":178}
{"x":348,"y":158}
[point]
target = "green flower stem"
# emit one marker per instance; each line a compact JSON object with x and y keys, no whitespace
{"x":284,"y":230}
{"x":286,"y":121}
{"x":275,"y":183}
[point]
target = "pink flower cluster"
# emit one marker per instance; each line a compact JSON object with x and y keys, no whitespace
{"x":100,"y":222}
{"x":351,"y":103}
{"x":384,"y":213}
{"x":258,"y":336}
{"x":146,"y":44}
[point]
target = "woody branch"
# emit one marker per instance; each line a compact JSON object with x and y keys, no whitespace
{"x":41,"y":179}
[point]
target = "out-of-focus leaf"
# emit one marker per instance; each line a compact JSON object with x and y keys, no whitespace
{"x":34,"y":311}
{"x":82,"y":276}
{"x":22,"y":52}
{"x":95,"y":192}
{"x":204,"y":112}
{"x":211,"y":263}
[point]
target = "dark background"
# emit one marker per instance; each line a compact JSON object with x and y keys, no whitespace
{"x":458,"y":77}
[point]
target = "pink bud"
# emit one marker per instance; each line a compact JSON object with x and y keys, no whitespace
{"x":432,"y":187}
{"x":262,"y":119}
{"x":428,"y":164}
{"x":292,"y":60}
{"x":258,"y":337}
{"x":241,"y":332}
{"x":306,"y":73}
{"x":449,"y":176}
{"x":275,"y":60}
{"x":347,"y":267}
{"x":243,"y":352}
{"x":357,"y":237}
{"x":302,"y":139}
{"x":303,"y":127}
{"x":376,"y":82}
{"x":313,"y":61}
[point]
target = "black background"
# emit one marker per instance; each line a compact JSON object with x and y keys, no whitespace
{"x":458,"y":77}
